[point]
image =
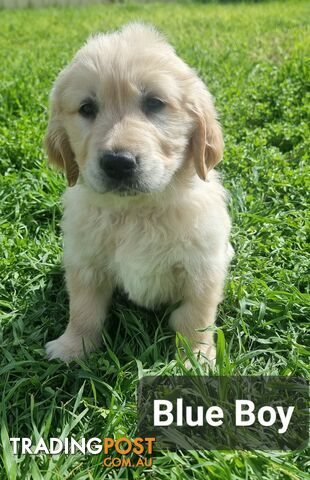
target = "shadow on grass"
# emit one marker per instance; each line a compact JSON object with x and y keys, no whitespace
{"x":130,"y":332}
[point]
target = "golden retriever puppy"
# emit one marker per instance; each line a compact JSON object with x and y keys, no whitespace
{"x":136,"y":132}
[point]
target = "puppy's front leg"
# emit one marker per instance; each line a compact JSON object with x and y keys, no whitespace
{"x":192,"y":323}
{"x":193,"y":318}
{"x":88,"y":308}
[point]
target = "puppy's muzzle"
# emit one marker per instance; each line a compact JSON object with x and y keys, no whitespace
{"x":118,"y":165}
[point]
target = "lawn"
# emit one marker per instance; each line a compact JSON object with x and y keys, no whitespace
{"x":252,"y":56}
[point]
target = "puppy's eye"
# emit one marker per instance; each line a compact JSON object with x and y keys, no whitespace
{"x":152,"y":105}
{"x":88,"y":109}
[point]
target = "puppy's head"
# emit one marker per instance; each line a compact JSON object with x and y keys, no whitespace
{"x":128,"y":114}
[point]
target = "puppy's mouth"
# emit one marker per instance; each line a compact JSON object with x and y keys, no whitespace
{"x":126,"y":189}
{"x":129,"y":186}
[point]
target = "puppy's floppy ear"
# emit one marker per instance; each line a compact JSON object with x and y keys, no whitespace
{"x":59,"y":151}
{"x":206,"y":144}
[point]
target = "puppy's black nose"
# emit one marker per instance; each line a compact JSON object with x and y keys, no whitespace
{"x":118,"y":165}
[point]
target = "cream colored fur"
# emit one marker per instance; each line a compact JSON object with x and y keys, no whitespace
{"x":166,"y":243}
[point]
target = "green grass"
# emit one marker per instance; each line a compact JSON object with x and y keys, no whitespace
{"x":253,"y":60}
{"x":46,"y":3}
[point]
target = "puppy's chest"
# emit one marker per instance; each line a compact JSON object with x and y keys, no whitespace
{"x":146,"y":261}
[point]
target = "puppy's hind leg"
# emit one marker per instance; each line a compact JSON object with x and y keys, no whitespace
{"x":88,"y":309}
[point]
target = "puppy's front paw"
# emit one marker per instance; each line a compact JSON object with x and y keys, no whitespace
{"x":185,"y":320}
{"x":67,"y":347}
{"x":206,"y":356}
{"x":208,"y":352}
